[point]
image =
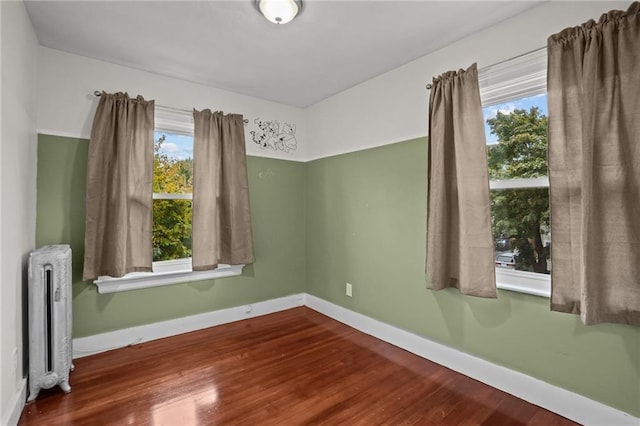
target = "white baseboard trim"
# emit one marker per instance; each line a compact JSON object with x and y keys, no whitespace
{"x":90,"y":345}
{"x":568,"y":404}
{"x":17,"y":405}
{"x":561,"y":401}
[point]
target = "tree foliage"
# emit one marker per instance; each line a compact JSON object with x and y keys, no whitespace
{"x":520,"y":215}
{"x":171,"y":218}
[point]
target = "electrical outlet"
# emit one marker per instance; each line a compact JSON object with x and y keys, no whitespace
{"x":349,"y":290}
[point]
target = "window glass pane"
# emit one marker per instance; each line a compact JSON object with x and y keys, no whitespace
{"x":516,"y":134}
{"x":173,"y":163}
{"x":520,"y":225}
{"x":171,"y":229}
{"x":172,"y":174}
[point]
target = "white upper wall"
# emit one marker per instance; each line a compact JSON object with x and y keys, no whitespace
{"x":19,"y":53}
{"x":66,"y":104}
{"x":393,"y":107}
{"x":390,"y":108}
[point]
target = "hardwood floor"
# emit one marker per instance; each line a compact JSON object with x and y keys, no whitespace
{"x":288,"y":368}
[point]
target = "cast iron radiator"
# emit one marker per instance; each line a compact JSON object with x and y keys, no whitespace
{"x":50,"y":344}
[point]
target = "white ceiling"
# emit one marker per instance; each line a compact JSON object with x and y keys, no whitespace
{"x":331,"y":46}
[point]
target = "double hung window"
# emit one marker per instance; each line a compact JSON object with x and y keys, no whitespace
{"x":172,"y":191}
{"x":172,"y":210}
{"x":515,"y":111}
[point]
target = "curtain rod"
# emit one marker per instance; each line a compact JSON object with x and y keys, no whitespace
{"x":98,"y":93}
{"x":429,"y":85}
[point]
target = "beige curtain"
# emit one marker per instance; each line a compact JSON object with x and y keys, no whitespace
{"x":459,"y":242}
{"x":119,"y":188}
{"x":221,"y":213}
{"x":594,"y":168}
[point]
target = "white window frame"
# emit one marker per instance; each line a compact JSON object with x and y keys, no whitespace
{"x":517,"y":78}
{"x":167,"y":272}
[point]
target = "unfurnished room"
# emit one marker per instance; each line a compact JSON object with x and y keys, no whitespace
{"x":336,"y":212}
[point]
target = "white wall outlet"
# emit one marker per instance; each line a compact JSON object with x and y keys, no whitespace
{"x":349,"y":290}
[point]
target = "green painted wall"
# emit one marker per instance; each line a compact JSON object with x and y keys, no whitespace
{"x":357,"y":218}
{"x":366,"y":225}
{"x":277,"y":203}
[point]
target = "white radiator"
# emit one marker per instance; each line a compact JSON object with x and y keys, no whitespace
{"x":50,"y":350}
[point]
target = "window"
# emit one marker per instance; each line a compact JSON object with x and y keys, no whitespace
{"x":172,"y":202}
{"x":172,"y":195}
{"x":515,"y":113}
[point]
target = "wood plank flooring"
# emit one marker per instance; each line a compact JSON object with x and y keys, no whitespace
{"x":289,"y":368}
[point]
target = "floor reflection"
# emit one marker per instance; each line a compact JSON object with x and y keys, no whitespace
{"x":182,"y":410}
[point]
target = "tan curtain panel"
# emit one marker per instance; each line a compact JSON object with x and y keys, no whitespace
{"x":221,"y":214}
{"x":459,"y":243}
{"x":594,"y":168}
{"x":119,"y":188}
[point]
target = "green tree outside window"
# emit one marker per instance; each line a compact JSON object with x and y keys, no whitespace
{"x":520,"y":216}
{"x":171,"y":218}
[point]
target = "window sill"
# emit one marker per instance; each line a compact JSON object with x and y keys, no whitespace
{"x":524,"y":282}
{"x":165,"y":273}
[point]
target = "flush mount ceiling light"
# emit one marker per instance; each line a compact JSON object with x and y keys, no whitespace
{"x":279,"y":11}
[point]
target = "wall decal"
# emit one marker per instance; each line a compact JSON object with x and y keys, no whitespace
{"x":270,"y":134}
